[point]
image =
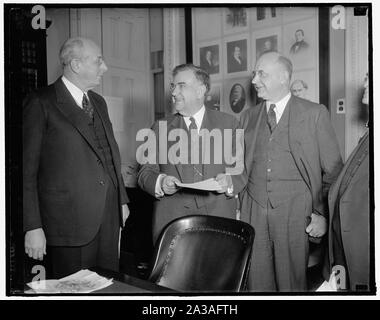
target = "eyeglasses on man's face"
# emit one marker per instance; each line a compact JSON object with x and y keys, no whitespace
{"x":181,"y":86}
{"x":259,"y":73}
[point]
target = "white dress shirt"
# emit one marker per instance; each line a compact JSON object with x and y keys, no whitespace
{"x":75,"y":92}
{"x":280,"y":106}
{"x":198,"y":117}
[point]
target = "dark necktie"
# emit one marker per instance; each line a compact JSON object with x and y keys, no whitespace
{"x":198,"y":168}
{"x":272,"y":117}
{"x":87,"y":107}
{"x":193,"y":124}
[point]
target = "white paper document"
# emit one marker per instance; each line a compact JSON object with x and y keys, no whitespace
{"x":83,"y":281}
{"x":207,"y":185}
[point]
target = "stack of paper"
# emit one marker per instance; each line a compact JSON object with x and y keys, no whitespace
{"x":83,"y":281}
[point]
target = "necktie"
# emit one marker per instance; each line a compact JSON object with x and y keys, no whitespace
{"x":272,"y":117}
{"x":87,"y":107}
{"x":193,"y":124}
{"x":197,"y":168}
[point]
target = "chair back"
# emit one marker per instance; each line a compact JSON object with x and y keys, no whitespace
{"x":203,"y":253}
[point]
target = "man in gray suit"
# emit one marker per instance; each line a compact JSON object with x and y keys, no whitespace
{"x":160,"y":179}
{"x":291,"y":157}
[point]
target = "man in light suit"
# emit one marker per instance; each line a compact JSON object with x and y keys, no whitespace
{"x":291,"y":158}
{"x":349,"y":230}
{"x":161,"y":178}
{"x":74,"y":200}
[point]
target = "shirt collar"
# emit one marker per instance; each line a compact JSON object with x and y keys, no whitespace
{"x":75,"y":92}
{"x":280,"y":105}
{"x":198,"y":117}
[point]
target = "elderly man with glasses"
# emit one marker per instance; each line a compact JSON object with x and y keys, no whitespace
{"x":193,"y":122}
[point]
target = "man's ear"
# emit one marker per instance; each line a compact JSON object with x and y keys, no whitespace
{"x":75,"y":65}
{"x":202,"y":91}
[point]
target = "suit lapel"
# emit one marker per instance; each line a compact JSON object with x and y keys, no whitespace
{"x":67,"y":105}
{"x":103,"y":115}
{"x":251,"y":131}
{"x":296,"y":117}
{"x":176,"y":123}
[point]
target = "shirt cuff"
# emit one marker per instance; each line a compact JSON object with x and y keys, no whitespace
{"x":158,"y":190}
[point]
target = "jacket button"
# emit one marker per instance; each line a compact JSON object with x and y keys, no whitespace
{"x":101,"y":182}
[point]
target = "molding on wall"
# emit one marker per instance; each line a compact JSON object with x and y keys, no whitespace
{"x":356,"y":68}
{"x":172,"y":53}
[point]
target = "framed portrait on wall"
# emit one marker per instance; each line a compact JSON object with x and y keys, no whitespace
{"x":235,"y":19}
{"x":212,"y":99}
{"x":209,"y":58}
{"x":266,"y":16}
{"x":239,"y":95}
{"x":237,"y":55}
{"x":266,"y":40}
{"x":301,"y":43}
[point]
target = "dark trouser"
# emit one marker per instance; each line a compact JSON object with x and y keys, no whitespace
{"x":280,"y":249}
{"x":102,"y":251}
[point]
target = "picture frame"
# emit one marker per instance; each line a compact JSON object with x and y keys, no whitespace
{"x":239,"y":95}
{"x":235,"y":19}
{"x":209,"y":57}
{"x":266,"y":16}
{"x":300,"y":43}
{"x":237,"y":55}
{"x":262,"y":37}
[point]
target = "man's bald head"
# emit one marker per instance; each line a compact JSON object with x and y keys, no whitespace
{"x":276,"y":58}
{"x":73,"y":48}
{"x":82,"y":62}
{"x":271,"y":76}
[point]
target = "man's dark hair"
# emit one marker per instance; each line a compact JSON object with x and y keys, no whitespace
{"x":303,"y":34}
{"x":199,"y":73}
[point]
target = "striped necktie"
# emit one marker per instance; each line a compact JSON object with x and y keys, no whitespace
{"x":272,"y":117}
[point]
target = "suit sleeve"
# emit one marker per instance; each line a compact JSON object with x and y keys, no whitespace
{"x":330,"y":158}
{"x":149,"y":170}
{"x":239,"y":172}
{"x":33,"y":132}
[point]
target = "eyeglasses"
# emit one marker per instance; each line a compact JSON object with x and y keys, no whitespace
{"x":181,"y":86}
{"x":260,"y":74}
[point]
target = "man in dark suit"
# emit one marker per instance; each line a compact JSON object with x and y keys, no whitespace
{"x":300,"y":44}
{"x":291,"y":158}
{"x":160,"y":177}
{"x":349,"y":220}
{"x":74,"y":200}
{"x":236,"y":61}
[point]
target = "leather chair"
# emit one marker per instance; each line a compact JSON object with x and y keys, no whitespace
{"x":203,"y":253}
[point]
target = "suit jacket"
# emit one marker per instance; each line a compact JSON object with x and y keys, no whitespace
{"x":312,"y":142}
{"x":354,"y":219}
{"x":63,"y":170}
{"x":182,"y":202}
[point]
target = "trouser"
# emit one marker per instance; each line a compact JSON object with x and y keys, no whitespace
{"x":280,"y":250}
{"x":102,"y":251}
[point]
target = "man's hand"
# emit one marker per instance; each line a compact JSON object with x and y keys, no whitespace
{"x":317,"y":227}
{"x":35,"y":244}
{"x":168,"y":185}
{"x":125,"y":209}
{"x":225,"y":182}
